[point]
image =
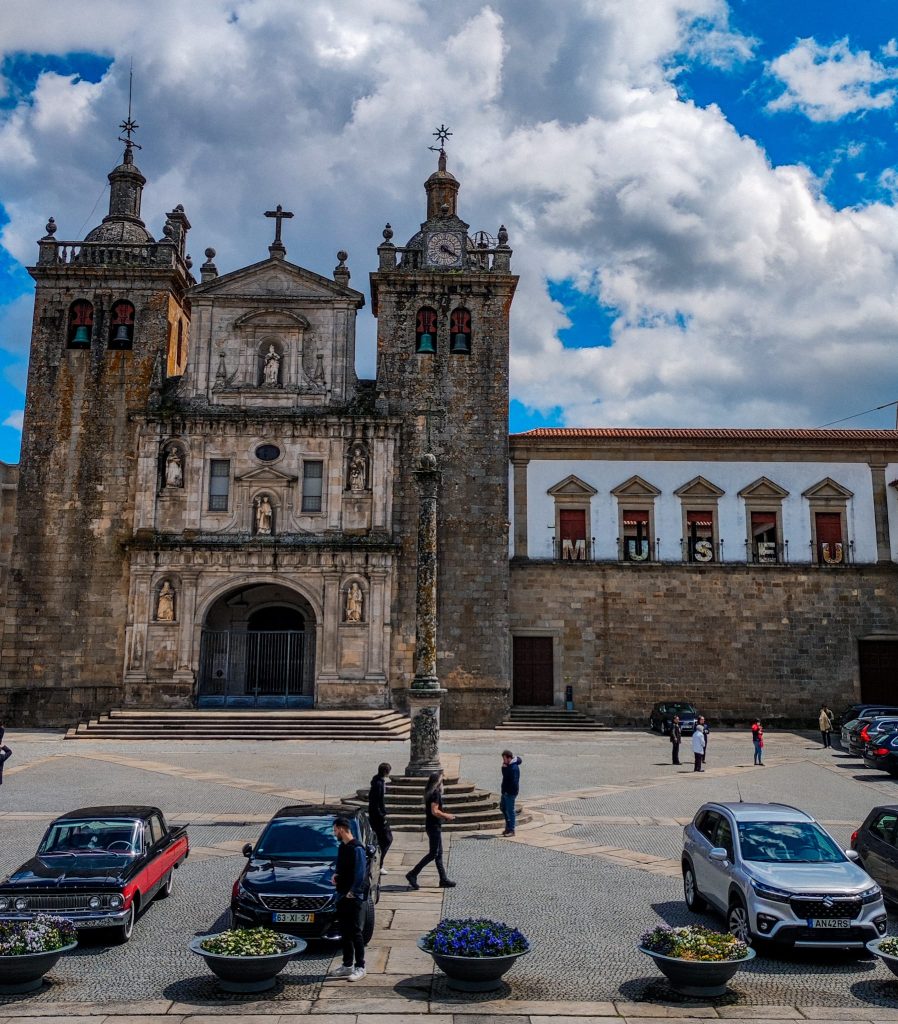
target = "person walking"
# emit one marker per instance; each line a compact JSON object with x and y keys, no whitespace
{"x":377,"y":811}
{"x":698,"y":748}
{"x":757,"y":738}
{"x":511,"y":784}
{"x":676,"y":737}
{"x":5,"y":755}
{"x":434,"y":816}
{"x":351,"y":883}
{"x":705,"y":728}
{"x":826,"y":726}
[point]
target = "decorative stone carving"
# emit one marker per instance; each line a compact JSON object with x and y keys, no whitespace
{"x":358,"y":468}
{"x":165,"y":603}
{"x":174,"y":468}
{"x":354,"y":603}
{"x":271,"y":374}
{"x":264,"y":515}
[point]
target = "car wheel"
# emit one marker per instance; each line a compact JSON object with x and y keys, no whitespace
{"x":368,"y":926}
{"x":125,"y":930}
{"x":665,"y":728}
{"x":694,"y":899}
{"x":167,"y":886}
{"x":738,"y":923}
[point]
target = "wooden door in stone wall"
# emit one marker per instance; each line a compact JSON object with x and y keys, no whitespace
{"x":533,"y":682}
{"x":878,"y":662}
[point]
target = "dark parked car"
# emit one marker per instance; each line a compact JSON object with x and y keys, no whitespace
{"x":875,"y":843}
{"x":862,"y":711}
{"x":287,"y":883}
{"x":99,"y":867}
{"x":662,"y":715}
{"x":882,"y":753}
{"x":857,"y":736}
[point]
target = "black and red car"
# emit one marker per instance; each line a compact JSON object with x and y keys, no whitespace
{"x":99,"y":867}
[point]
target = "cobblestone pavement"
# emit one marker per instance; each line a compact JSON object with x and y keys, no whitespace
{"x":598,"y":864}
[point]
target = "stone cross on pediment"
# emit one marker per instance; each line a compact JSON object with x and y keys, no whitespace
{"x":277,"y":247}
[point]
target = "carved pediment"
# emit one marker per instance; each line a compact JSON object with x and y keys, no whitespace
{"x":572,"y":487}
{"x":277,"y":319}
{"x":828,"y":488}
{"x":635,"y":487}
{"x":266,"y":475}
{"x":276,"y":278}
{"x":699,"y":487}
{"x":763,"y":489}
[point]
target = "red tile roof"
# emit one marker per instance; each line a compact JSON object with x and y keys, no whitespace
{"x":761,"y":435}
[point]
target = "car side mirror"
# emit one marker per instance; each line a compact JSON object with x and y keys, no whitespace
{"x":248,"y":850}
{"x":718,"y":853}
{"x":852,"y":855}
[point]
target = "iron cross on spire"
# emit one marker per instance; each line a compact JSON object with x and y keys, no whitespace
{"x":279,"y":214}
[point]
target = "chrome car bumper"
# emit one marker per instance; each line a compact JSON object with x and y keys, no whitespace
{"x":79,"y":918}
{"x":777,"y":922}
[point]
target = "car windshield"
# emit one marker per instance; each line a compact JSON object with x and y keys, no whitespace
{"x":85,"y":837}
{"x":849,"y":725}
{"x":300,"y":839}
{"x":787,"y":842}
{"x":680,"y":709}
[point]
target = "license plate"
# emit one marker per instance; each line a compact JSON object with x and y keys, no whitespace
{"x":831,"y":922}
{"x":294,"y":918}
{"x":87,"y":923}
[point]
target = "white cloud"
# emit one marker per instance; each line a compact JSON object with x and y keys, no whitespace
{"x":828,"y":82}
{"x":743,"y":296}
{"x":15,"y":419}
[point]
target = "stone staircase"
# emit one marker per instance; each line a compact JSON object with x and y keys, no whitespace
{"x":243,"y":724}
{"x":549,"y":719}
{"x":474,"y":808}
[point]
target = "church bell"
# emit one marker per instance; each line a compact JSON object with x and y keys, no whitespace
{"x":82,"y":337}
{"x":121,"y":335}
{"x":425,"y":343}
{"x":459,"y":343}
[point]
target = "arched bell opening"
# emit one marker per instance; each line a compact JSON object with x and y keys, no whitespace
{"x":257,"y":649}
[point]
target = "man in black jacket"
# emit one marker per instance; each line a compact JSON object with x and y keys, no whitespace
{"x":511,"y":784}
{"x":676,"y":737}
{"x":351,"y":883}
{"x":5,"y":755}
{"x":377,"y":811}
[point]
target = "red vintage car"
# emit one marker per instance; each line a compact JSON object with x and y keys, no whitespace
{"x":99,"y":867}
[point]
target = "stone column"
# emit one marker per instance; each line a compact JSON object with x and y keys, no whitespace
{"x":425,"y":694}
{"x":881,"y":510}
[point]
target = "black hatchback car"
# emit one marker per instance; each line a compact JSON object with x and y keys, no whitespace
{"x":882,"y":752}
{"x":287,"y":883}
{"x":663,"y":712}
{"x":876,"y":842}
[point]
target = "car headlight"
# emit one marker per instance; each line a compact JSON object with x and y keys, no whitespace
{"x":115,"y":901}
{"x":246,"y":894}
{"x":94,"y":902}
{"x":4,"y":903}
{"x":770,"y":892}
{"x":21,"y":903}
{"x":873,"y":895}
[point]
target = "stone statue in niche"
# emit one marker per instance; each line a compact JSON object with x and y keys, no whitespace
{"x":272,"y":371}
{"x":264,"y":515}
{"x":174,"y":469}
{"x":358,"y":469}
{"x":165,"y":603}
{"x":354,"y":599}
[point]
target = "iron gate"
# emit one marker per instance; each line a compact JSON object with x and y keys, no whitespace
{"x":242,"y":668}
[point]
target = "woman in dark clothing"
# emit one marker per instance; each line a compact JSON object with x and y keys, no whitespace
{"x":377,"y":811}
{"x":5,"y":755}
{"x":434,"y":816}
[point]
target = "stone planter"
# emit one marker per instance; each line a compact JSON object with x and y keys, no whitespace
{"x":698,"y":977}
{"x":890,"y":961}
{"x":473,"y":973}
{"x":25,"y":973}
{"x":246,"y":973}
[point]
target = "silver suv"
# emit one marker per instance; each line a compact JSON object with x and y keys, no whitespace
{"x":776,"y":874}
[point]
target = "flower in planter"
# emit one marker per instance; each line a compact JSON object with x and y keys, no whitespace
{"x":693,"y":942}
{"x":474,"y":937}
{"x":889,"y":946}
{"x":247,"y":942}
{"x":42,"y":934}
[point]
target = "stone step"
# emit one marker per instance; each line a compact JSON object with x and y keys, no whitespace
{"x":550,"y":727}
{"x":416,"y":803}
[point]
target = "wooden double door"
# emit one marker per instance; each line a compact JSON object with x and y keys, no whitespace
{"x":533,"y":676}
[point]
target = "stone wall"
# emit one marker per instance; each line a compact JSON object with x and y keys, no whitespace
{"x":738,"y":641}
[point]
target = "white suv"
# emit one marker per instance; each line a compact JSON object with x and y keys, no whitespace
{"x":777,"y":874}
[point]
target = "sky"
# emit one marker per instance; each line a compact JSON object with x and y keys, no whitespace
{"x":700,"y":195}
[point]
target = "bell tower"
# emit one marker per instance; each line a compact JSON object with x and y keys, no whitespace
{"x":111,"y":317}
{"x":442,"y":303}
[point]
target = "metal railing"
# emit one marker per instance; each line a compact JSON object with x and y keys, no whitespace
{"x":267,"y":668}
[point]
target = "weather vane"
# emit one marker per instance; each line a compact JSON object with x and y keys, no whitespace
{"x":129,"y":125}
{"x":441,"y":134}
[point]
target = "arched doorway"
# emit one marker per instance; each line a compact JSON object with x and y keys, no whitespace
{"x":258,"y":650}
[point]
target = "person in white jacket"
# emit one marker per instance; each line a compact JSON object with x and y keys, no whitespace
{"x":698,"y":748}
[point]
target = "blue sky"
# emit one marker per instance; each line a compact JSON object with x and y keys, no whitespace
{"x":700,"y":195}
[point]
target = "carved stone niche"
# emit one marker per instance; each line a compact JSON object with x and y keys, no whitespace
{"x":357,"y":489}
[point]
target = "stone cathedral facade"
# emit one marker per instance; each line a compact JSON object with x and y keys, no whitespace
{"x":213,"y":510}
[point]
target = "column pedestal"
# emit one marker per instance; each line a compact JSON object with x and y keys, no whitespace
{"x":424,"y":711}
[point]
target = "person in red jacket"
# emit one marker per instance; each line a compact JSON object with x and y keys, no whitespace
{"x":757,"y":738}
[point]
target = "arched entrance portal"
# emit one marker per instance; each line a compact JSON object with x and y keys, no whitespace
{"x":258,"y":650}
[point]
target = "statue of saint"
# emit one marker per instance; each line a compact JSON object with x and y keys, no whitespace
{"x":264,"y":515}
{"x":272,"y":367}
{"x":174,"y":472}
{"x":357,"y":466}
{"x":354,"y":603}
{"x":165,"y":605}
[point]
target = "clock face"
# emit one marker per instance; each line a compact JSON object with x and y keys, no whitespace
{"x":444,"y":249}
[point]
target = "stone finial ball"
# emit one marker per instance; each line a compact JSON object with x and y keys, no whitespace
{"x":210,"y":253}
{"x":503,"y":235}
{"x":51,"y":226}
{"x":427,"y":463}
{"x":388,"y":232}
{"x":168,"y":230}
{"x":342,"y":255}
{"x":189,"y":262}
